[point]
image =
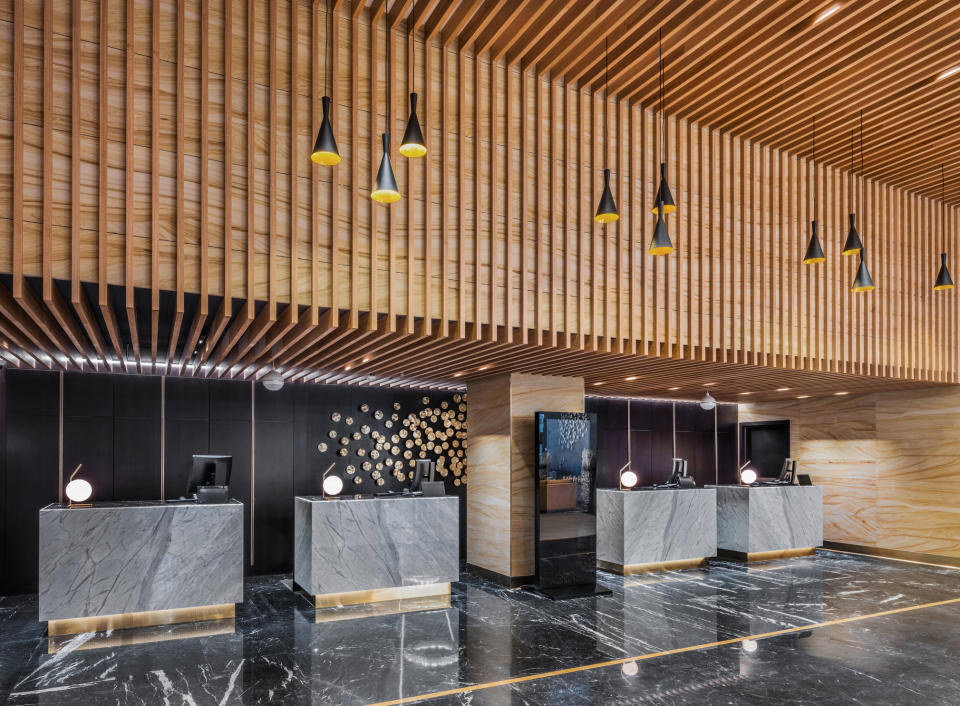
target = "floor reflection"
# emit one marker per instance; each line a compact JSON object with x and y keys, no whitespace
{"x":282,"y":649}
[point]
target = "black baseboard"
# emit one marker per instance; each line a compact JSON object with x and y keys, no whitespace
{"x":506,"y":581}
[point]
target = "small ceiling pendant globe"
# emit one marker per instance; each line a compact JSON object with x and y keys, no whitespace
{"x":273,"y":381}
{"x":333,"y":485}
{"x":628,"y":479}
{"x":748,"y":476}
{"x":78,"y":490}
{"x":708,"y":402}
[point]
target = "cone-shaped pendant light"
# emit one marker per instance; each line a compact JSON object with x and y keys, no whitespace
{"x":814,"y":252}
{"x":385,"y":189}
{"x":944,"y":280}
{"x":664,"y":196}
{"x":853,"y":244}
{"x":413,"y":145}
{"x":607,"y":209}
{"x":863,"y":282}
{"x":660,"y":244}
{"x":325,"y":150}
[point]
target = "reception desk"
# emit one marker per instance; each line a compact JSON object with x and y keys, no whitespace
{"x":649,"y":530}
{"x":759,"y":522}
{"x":350,"y":551}
{"x":131,"y":564}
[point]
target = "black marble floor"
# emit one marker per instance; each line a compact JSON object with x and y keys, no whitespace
{"x":276,"y":651}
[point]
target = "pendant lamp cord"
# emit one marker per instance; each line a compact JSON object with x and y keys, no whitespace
{"x":386,"y":59}
{"x":663,"y":140}
{"x":814,"y":167}
{"x":863,"y":188}
{"x":853,"y":187}
{"x":413,"y":44}
{"x":943,"y":191}
{"x":325,"y":33}
{"x":606,"y":135}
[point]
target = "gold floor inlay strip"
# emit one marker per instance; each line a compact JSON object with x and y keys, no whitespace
{"x":631,"y":569}
{"x":398,"y":593}
{"x":653,"y":655}
{"x":767,"y":556}
{"x":99,"y":623}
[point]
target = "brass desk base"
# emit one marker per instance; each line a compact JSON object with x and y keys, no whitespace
{"x":329,"y":600}
{"x":99,"y":623}
{"x":631,"y":569}
{"x":766,"y":556}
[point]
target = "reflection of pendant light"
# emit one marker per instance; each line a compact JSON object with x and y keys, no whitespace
{"x":853,"y":245}
{"x":385,"y":189}
{"x":944,"y":280}
{"x":607,"y":210}
{"x":863,"y":282}
{"x":660,"y":244}
{"x":814,"y":249}
{"x":325,"y":150}
{"x":663,"y":192}
{"x":413,"y":144}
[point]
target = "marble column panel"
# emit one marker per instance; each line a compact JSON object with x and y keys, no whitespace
{"x":769,"y":518}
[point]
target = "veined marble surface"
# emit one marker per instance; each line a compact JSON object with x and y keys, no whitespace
{"x":769,"y":518}
{"x":131,"y":557}
{"x":361,"y":545}
{"x":648,"y":526}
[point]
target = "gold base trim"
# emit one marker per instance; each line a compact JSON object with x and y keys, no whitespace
{"x":146,"y":635}
{"x":652,"y":567}
{"x":100,"y":623}
{"x":766,"y":556}
{"x":376,"y":595}
{"x":380,"y":608}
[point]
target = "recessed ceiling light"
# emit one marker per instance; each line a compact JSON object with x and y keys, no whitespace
{"x":709,"y":384}
{"x":366,"y":359}
{"x":948,"y":73}
{"x":826,"y":13}
{"x":597,"y":383}
{"x":347,"y":367}
{"x":802,"y":397}
{"x":673,"y":389}
{"x":841,"y":393}
{"x":631,"y":378}
{"x":783,"y":389}
{"x":746,"y":393}
{"x":456,"y":375}
{"x":483,"y":367}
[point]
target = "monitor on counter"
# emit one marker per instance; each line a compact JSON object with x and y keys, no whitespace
{"x":209,"y":470}
{"x":677,"y":471}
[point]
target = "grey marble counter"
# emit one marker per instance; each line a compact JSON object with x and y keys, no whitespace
{"x":655,"y":526}
{"x":361,"y":545}
{"x":132,"y":557}
{"x":753,"y":519}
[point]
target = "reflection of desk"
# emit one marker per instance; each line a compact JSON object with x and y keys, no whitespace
{"x":758,"y":522}
{"x":560,"y":494}
{"x":131,"y":564}
{"x":646,"y":530}
{"x":348,"y":552}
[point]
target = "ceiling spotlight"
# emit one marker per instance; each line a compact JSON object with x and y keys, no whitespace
{"x":631,"y":378}
{"x":709,"y":384}
{"x":673,"y":389}
{"x":841,"y":393}
{"x":483,"y":367}
{"x":948,"y":73}
{"x":826,"y":13}
{"x":803,"y":397}
{"x":456,"y":375}
{"x":746,"y":393}
{"x":597,"y":383}
{"x":708,"y":402}
{"x":348,"y":368}
{"x":783,"y":389}
{"x":366,"y":359}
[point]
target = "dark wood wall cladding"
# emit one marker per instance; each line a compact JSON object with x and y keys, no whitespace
{"x":710,"y":458}
{"x":114,"y":425}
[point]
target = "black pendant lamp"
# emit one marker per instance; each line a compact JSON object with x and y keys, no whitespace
{"x":413,"y":145}
{"x":325,"y":150}
{"x":660,"y":244}
{"x":814,"y":252}
{"x":385,"y":189}
{"x":663,"y":191}
{"x":863,"y":282}
{"x":607,"y":210}
{"x":944,"y":280}
{"x":853,"y":244}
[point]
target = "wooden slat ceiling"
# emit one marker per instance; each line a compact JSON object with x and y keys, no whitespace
{"x":756,"y":68}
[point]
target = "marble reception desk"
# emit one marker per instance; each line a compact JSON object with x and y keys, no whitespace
{"x":646,"y":530}
{"x":349,"y":551}
{"x":131,"y":564}
{"x":763,"y":521}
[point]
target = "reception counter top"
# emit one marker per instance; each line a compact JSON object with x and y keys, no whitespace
{"x":643,"y":530}
{"x":754,"y":521}
{"x":127,"y":564}
{"x":349,"y":551}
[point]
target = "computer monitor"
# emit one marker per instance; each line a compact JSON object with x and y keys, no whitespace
{"x":788,"y":473}
{"x":423,"y":468}
{"x":209,"y":470}
{"x":677,"y":471}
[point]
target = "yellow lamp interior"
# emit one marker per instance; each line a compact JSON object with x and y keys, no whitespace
{"x":412,"y":149}
{"x":327,"y":159}
{"x":663,"y":250}
{"x":667,"y":208}
{"x":606,"y":217}
{"x":852,"y":251}
{"x":814,"y":260}
{"x":863,"y":289}
{"x":385,"y":195}
{"x":941,"y":287}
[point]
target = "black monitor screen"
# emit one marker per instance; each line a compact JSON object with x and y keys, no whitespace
{"x":209,"y":470}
